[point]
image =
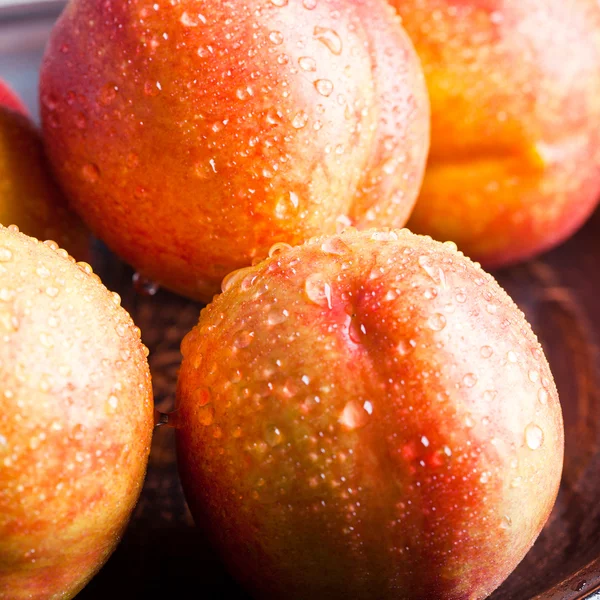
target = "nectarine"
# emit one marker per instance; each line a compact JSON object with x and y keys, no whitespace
{"x":10,"y":99}
{"x":76,"y":419}
{"x":368,"y":416}
{"x":29,"y":196}
{"x":191,"y":136}
{"x":515,"y":94}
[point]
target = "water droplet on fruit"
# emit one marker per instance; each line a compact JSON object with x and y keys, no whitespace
{"x":335,"y":245}
{"x":276,"y":37}
{"x":309,"y":4}
{"x":107,"y":94}
{"x":484,"y":477}
{"x":275,"y":317}
{"x":324,"y":87}
{"x":435,"y":274}
{"x":231,"y":279}
{"x":543,"y":396}
{"x":278,"y":248}
{"x":6,"y":294}
{"x":188,"y":20}
{"x":273,"y":436}
{"x":534,"y":436}
{"x":279,"y":2}
{"x":516,"y":482}
{"x":505,"y":522}
{"x":355,"y":415}
{"x":243,"y":339}
{"x":286,"y":205}
{"x":489,"y":395}
{"x":289,"y":389}
{"x":46,"y":340}
{"x":51,"y":101}
{"x":330,"y":38}
{"x":461,"y":297}
{"x":384,"y":236}
{"x":242,"y":93}
{"x":512,"y":357}
{"x":533,"y":376}
{"x":307,"y":63}
{"x":201,"y":396}
{"x":486,"y":351}
{"x":451,"y":246}
{"x":300,"y":120}
{"x":112,"y":404}
{"x":318,"y":290}
{"x":356,"y":331}
{"x":404,"y":347}
{"x":144,"y":286}
{"x":469,"y":380}
{"x":43,"y":272}
{"x":152,"y":88}
{"x":206,"y":415}
{"x":436,"y":322}
{"x":90,"y":172}
{"x":5,"y":254}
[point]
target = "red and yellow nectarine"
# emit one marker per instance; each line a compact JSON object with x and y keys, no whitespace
{"x":29,"y":196}
{"x":515,"y":98}
{"x":76,"y":420}
{"x":368,"y":416}
{"x":191,"y":136}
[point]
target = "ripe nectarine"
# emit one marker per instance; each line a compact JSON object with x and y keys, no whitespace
{"x":76,"y":419}
{"x":368,"y":416}
{"x":515,"y":97}
{"x":191,"y":136}
{"x":29,"y":196}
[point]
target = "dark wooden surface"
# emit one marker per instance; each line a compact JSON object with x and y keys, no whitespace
{"x":162,"y":555}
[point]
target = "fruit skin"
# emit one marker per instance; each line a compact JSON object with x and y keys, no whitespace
{"x":29,"y":196}
{"x":10,"y":99}
{"x":368,"y":416}
{"x":514,"y":167}
{"x":76,"y":419}
{"x":192,"y":137}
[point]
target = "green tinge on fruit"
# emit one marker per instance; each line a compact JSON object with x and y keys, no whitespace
{"x":368,"y":415}
{"x":76,"y":419}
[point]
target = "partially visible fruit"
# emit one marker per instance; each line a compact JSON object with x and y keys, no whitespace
{"x":368,"y":416}
{"x":76,"y":420}
{"x":515,"y":96}
{"x":10,"y":99}
{"x":29,"y":196}
{"x":193,"y":136}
